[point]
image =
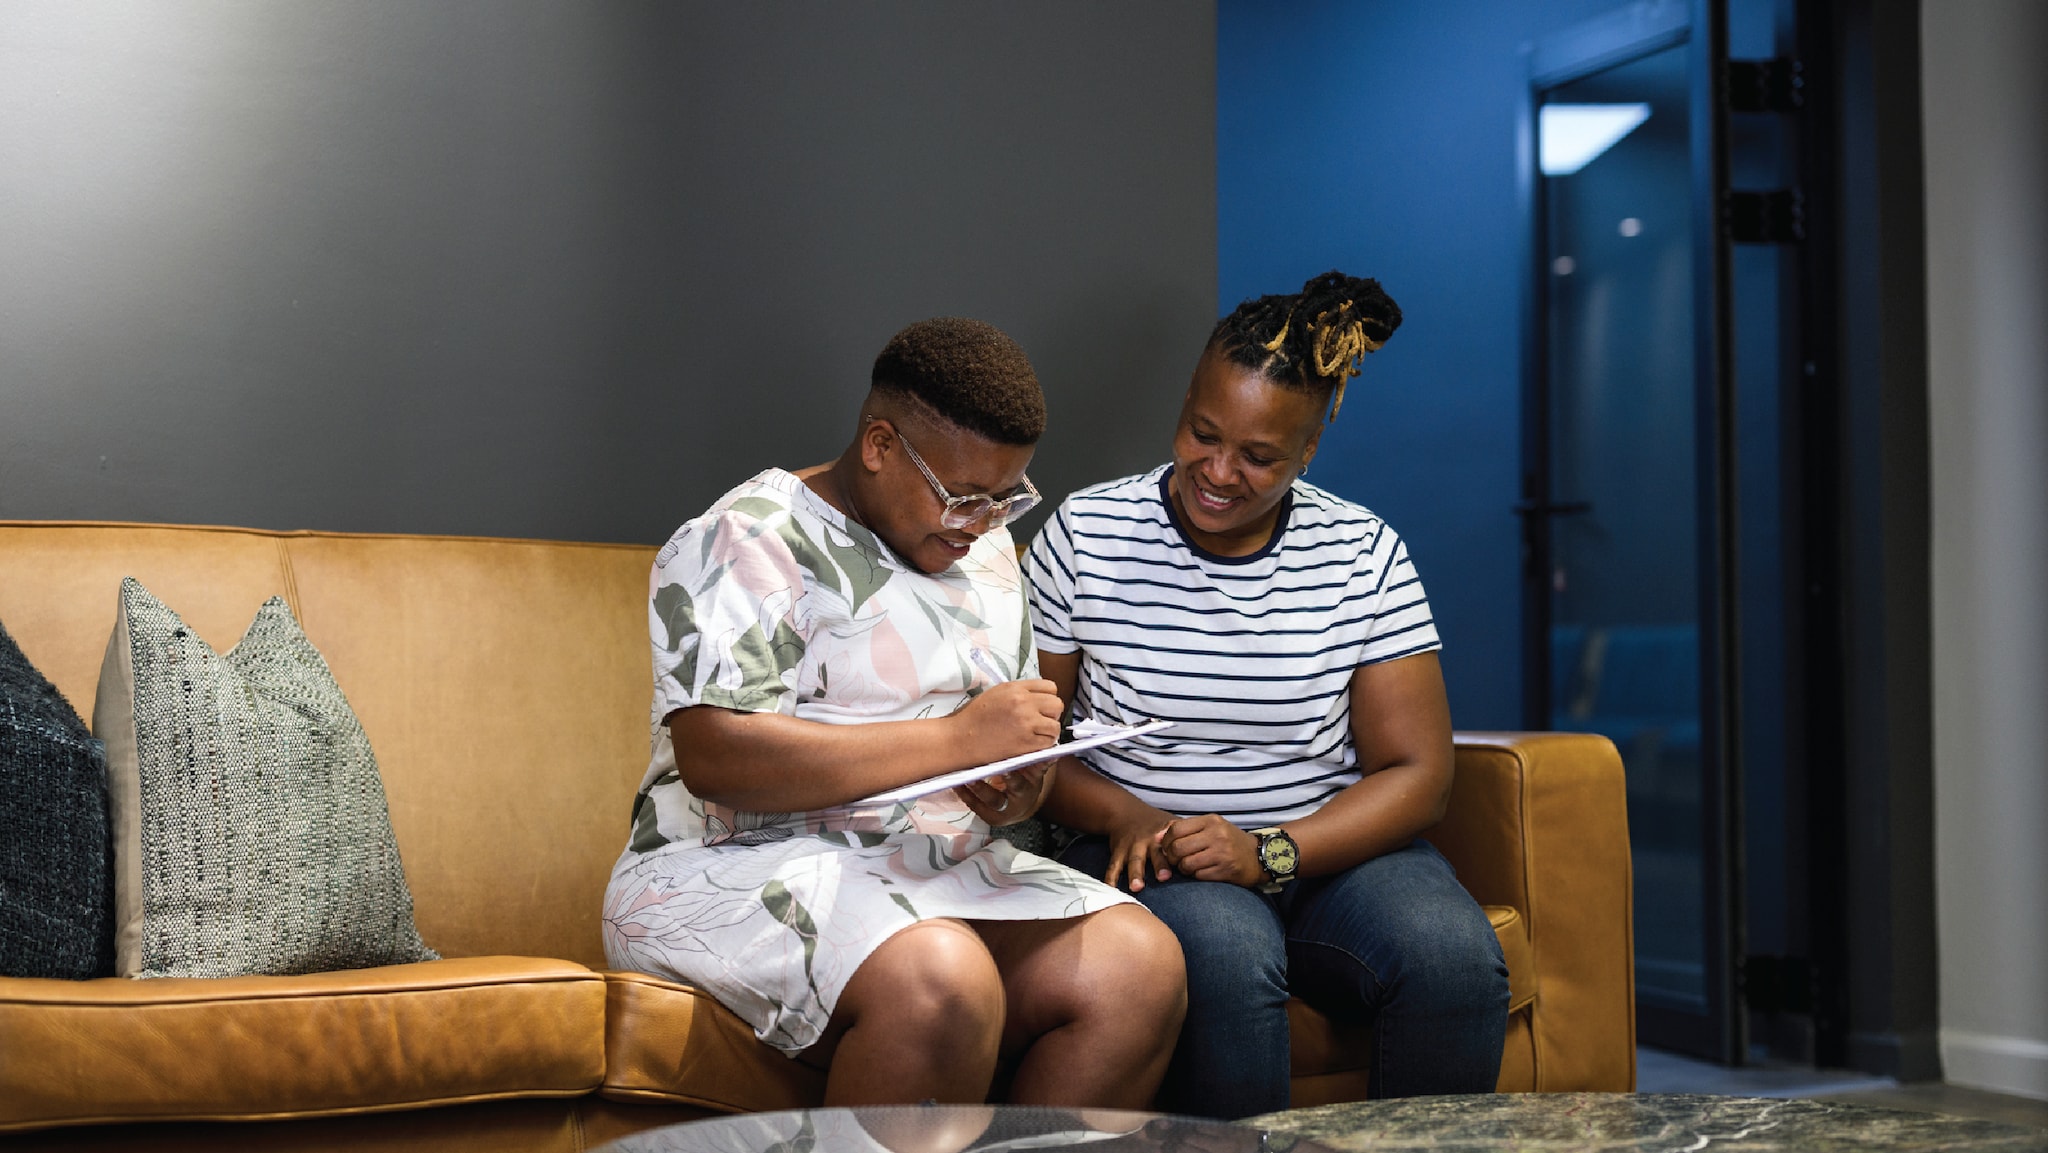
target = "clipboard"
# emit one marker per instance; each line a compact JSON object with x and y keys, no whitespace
{"x":1087,"y":735}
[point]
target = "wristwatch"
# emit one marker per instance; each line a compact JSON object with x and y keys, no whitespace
{"x":1279,"y":856}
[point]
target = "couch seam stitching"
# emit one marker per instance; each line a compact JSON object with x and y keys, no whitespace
{"x":291,"y":580}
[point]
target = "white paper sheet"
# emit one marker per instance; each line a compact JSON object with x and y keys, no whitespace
{"x":1087,"y":735}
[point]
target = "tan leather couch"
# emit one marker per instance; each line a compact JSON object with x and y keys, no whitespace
{"x":503,"y":684}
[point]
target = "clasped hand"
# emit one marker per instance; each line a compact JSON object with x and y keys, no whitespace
{"x":1207,"y":848}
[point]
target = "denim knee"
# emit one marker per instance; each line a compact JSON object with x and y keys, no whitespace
{"x":1406,"y":923}
{"x":1398,"y":940}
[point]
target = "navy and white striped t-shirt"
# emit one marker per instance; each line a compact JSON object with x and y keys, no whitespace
{"x":1250,"y":656}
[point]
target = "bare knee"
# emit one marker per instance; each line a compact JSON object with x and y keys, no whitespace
{"x":1135,"y":966}
{"x":934,"y":981}
{"x":921,"y":1019}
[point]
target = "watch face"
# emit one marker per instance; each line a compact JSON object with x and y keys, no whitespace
{"x":1277,"y":854}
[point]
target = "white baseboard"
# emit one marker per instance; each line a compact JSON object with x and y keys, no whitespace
{"x":2015,"y":1065}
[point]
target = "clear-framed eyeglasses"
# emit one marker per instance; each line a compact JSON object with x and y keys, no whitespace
{"x":962,"y":511}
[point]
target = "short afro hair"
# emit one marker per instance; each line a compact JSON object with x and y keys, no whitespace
{"x":969,"y":373}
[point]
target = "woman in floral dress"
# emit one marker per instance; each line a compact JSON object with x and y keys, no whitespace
{"x":823,"y":636}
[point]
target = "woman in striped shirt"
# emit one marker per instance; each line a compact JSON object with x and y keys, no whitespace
{"x":1276,"y":826}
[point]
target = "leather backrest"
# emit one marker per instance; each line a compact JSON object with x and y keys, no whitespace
{"x":60,"y":585}
{"x":503,"y":685}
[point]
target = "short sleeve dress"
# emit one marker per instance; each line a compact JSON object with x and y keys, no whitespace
{"x":773,"y":601}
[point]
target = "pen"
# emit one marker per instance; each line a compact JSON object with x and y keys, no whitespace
{"x":986,"y":663}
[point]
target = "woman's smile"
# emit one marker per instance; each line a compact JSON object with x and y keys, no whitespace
{"x":1241,"y":442}
{"x":1212,"y":502}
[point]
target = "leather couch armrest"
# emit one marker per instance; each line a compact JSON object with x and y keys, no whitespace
{"x":1539,"y":822}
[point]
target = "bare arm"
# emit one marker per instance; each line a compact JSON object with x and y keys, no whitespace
{"x":771,"y":763}
{"x":1401,"y":727}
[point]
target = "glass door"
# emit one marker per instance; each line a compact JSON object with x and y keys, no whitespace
{"x":1627,"y":597}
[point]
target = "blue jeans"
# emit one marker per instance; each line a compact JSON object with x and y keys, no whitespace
{"x":1394,"y":940}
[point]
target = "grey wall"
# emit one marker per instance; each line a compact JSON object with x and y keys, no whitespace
{"x":563,"y":269}
{"x":1986,"y":103}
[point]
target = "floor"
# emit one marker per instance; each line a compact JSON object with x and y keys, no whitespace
{"x":1661,"y":1072}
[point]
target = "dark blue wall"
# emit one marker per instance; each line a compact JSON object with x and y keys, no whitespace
{"x":1378,"y":136}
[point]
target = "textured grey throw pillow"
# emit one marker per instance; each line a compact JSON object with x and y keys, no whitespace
{"x":56,"y":892}
{"x":250,"y":829}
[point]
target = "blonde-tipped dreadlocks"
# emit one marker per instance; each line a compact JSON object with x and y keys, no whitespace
{"x":1351,"y":317}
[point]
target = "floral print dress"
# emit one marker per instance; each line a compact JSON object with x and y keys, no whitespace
{"x":773,"y":601}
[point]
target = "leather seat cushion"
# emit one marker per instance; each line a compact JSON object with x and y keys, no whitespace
{"x":671,"y":1043}
{"x":360,"y":1040}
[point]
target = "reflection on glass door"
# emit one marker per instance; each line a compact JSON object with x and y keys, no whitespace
{"x":1623,"y":548}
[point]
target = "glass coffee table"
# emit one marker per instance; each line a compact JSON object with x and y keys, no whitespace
{"x":959,"y":1129}
{"x":1523,"y":1122}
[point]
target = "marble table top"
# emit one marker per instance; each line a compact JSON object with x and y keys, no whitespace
{"x":1637,"y":1121}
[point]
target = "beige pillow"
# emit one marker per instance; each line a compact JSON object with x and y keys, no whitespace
{"x":250,"y":829}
